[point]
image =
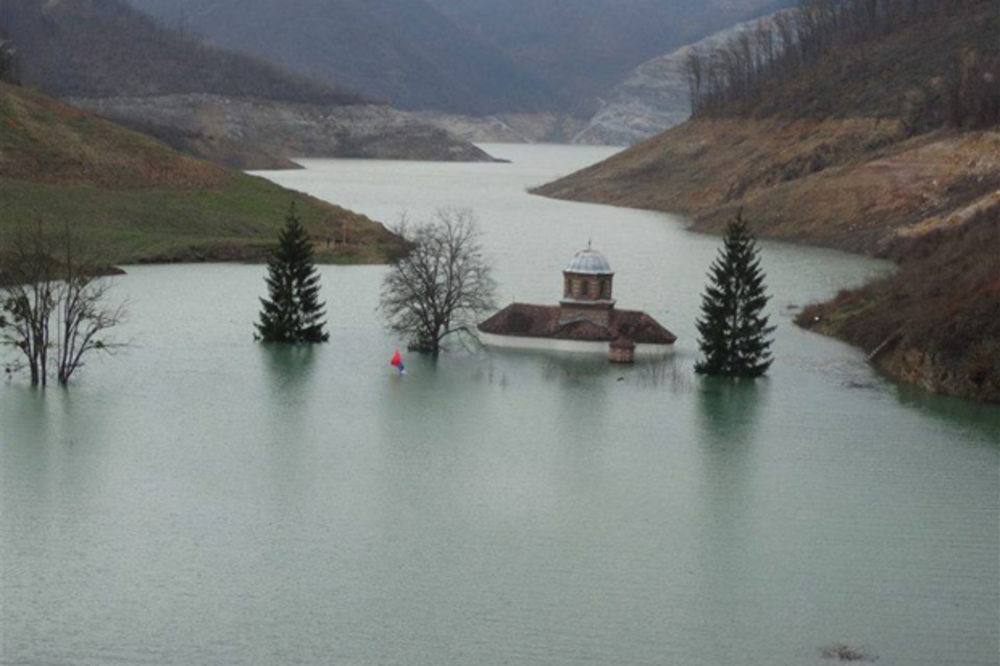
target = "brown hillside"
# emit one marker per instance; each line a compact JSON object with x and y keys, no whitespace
{"x":46,"y":141}
{"x":855,"y":184}
{"x":853,"y":156}
{"x":936,"y":323}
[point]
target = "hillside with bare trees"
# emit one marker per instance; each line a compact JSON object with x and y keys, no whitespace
{"x":875,"y":123}
{"x":836,"y":59}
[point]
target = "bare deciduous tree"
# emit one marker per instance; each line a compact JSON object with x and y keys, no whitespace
{"x":731,"y":76}
{"x":7,"y":66}
{"x":442,"y":285}
{"x":52,"y":299}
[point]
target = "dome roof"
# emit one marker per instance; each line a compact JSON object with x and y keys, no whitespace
{"x":589,"y":261}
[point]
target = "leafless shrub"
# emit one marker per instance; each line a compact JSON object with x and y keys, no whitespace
{"x":842,"y":652}
{"x":53,"y":306}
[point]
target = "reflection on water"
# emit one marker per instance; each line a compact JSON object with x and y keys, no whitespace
{"x":289,"y":369}
{"x":728,"y":410}
{"x":727,"y":414}
{"x":981,"y":419}
{"x":571,"y":369}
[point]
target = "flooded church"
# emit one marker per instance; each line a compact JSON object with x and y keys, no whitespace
{"x":585,"y":320}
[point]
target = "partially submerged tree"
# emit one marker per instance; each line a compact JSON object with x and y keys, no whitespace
{"x":442,"y":286}
{"x":292,"y":313}
{"x":735,"y":336}
{"x":53,"y":301}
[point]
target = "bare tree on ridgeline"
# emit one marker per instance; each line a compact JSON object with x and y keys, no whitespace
{"x":730,"y":77}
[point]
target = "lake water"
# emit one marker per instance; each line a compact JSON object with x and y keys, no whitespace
{"x":201,"y":499}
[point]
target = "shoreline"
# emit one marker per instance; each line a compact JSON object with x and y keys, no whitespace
{"x":893,"y":356}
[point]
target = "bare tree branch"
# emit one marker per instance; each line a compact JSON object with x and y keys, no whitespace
{"x":442,"y":286}
{"x":53,"y":300}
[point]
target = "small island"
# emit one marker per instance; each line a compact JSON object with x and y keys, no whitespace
{"x":585,"y":321}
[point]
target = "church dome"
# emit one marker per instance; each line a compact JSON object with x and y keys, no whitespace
{"x":589,"y":261}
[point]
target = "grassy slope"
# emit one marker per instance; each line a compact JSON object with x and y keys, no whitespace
{"x":143,"y":201}
{"x":849,"y":174}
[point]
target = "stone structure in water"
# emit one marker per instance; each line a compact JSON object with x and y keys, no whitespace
{"x":586,"y":319}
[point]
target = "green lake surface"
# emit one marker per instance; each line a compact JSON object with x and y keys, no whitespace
{"x":202,"y":499}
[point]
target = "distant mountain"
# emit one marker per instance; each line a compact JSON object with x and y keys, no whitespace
{"x":584,"y":47}
{"x":652,"y":98}
{"x":474,"y":57}
{"x":102,"y":48}
{"x":405,"y":51}
{"x":137,"y":200}
{"x":224,"y":106}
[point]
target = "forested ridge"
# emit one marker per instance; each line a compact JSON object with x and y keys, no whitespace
{"x":855,"y":57}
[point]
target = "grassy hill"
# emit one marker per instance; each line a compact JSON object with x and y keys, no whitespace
{"x":141,"y":201}
{"x":856,"y":151}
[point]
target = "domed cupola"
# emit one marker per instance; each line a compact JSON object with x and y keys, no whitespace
{"x":589,"y":262}
{"x":587,"y":287}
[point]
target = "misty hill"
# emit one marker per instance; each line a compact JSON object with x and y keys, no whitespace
{"x":886,"y":141}
{"x":653,"y":97}
{"x":584,"y":47}
{"x":402,"y":50}
{"x":102,"y":48}
{"x":229,"y":108}
{"x":474,"y":57}
{"x":139,"y":200}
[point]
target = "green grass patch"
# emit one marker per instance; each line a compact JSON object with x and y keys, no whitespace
{"x":237,"y":222}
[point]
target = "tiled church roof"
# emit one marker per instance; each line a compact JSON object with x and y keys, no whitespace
{"x":543,"y":321}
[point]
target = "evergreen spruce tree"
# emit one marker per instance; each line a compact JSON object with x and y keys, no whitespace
{"x":735,"y":336}
{"x":292,"y":312}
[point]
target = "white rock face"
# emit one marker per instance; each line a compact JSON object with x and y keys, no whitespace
{"x":290,"y":130}
{"x":539,"y":127}
{"x":653,"y":97}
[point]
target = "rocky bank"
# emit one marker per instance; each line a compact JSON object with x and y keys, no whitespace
{"x":262,"y":134}
{"x":931,"y":202}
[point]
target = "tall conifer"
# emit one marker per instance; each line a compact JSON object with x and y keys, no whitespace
{"x":292,"y":313}
{"x":735,"y":336}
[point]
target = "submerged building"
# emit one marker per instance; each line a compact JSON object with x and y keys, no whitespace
{"x":585,"y":320}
